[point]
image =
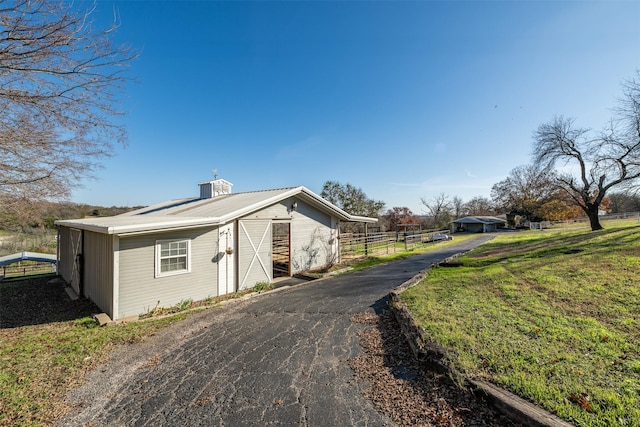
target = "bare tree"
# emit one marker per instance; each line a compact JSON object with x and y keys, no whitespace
{"x":59,"y":81}
{"x":439,"y":209}
{"x":457,"y":207}
{"x":622,"y":202}
{"x":479,"y":206}
{"x":604,"y":160}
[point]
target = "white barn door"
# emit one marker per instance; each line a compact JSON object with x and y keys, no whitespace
{"x":226,"y":262}
{"x":254,"y":252}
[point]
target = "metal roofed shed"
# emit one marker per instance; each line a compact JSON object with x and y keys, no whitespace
{"x":200,"y":247}
{"x":477,"y":224}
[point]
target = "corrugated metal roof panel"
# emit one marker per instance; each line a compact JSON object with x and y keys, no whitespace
{"x":191,"y":212}
{"x":479,"y":220}
{"x":159,"y":206}
{"x":223,"y":206}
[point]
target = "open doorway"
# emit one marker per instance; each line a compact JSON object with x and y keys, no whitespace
{"x":281,"y":254}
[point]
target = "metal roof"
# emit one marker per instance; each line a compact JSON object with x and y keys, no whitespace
{"x":479,"y":220}
{"x":28,"y":256}
{"x":195,"y":212}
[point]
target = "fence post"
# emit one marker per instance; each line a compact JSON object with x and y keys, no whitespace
{"x":366,"y":239}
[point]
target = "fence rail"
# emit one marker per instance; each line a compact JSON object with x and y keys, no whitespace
{"x":26,"y":268}
{"x":555,"y":224}
{"x":358,"y":245}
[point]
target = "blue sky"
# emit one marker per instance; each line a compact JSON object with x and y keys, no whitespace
{"x":405,"y":100}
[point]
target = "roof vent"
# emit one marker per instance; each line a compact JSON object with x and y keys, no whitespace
{"x":218,"y":187}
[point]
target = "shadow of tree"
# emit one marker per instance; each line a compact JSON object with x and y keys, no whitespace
{"x":39,"y":301}
{"x":549,"y":246}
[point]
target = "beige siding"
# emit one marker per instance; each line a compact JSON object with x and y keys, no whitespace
{"x":98,"y":270}
{"x":313,"y":233}
{"x":313,"y":238}
{"x":141,"y":291}
{"x":276,"y":211}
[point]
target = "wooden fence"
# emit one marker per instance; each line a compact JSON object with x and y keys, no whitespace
{"x":26,"y":268}
{"x":358,"y":245}
{"x":603,"y":218}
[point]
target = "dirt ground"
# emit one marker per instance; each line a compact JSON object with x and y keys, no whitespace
{"x":36,"y":301}
{"x":409,"y":393}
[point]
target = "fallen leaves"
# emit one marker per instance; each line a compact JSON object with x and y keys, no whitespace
{"x":581,"y":400}
{"x":406,"y":391}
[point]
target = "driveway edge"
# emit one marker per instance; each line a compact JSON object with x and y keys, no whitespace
{"x":516,"y":408}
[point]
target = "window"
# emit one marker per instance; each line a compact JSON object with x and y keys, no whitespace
{"x":172,"y":257}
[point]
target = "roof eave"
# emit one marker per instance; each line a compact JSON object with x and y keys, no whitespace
{"x":130,"y":229}
{"x":356,"y":218}
{"x":341,"y":214}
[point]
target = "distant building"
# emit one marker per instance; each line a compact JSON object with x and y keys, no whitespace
{"x":477,"y":224}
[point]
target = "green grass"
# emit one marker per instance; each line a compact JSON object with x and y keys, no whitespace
{"x":40,"y":363}
{"x":553,"y":316}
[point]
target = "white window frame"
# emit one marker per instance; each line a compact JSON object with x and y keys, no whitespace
{"x":159,"y":257}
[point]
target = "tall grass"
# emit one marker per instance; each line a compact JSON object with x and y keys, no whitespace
{"x":40,"y":241}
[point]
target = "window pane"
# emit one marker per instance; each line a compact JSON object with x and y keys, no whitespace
{"x":173,"y":256}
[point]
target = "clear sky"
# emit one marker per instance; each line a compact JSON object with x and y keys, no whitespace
{"x":405,"y":100}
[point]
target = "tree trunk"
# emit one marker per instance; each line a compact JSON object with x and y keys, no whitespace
{"x":594,"y":218}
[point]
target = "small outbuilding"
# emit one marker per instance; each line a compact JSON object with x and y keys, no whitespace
{"x":477,"y":224}
{"x":200,"y":247}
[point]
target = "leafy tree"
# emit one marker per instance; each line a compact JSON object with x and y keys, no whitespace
{"x":351,"y":199}
{"x":399,"y":215}
{"x":558,"y":209}
{"x":524,"y":191}
{"x":439,"y":209}
{"x":59,"y":80}
{"x":603,"y":160}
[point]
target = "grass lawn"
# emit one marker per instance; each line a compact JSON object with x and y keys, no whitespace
{"x":552,"y":315}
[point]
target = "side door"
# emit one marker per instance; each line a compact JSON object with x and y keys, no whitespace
{"x":226,"y":260}
{"x":254,"y":252}
{"x":76,"y":257}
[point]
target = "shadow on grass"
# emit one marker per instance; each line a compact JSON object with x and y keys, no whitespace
{"x":37,"y":301}
{"x":562,"y":243}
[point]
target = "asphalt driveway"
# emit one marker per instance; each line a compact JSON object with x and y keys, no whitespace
{"x":280,"y":358}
